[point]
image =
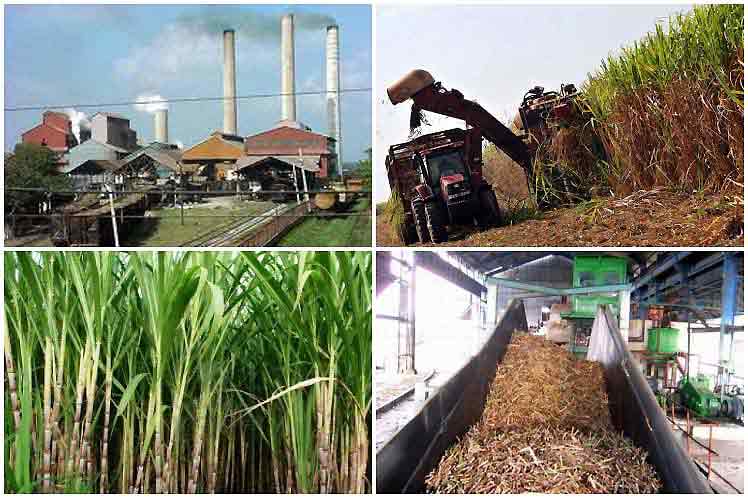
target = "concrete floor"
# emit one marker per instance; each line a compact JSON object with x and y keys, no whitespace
{"x":728,"y":440}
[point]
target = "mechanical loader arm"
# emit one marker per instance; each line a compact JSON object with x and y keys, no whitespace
{"x":429,"y":95}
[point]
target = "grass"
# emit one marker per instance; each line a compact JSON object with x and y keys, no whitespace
{"x":169,"y":231}
{"x":187,"y":372}
{"x":393,"y":212}
{"x":352,"y":231}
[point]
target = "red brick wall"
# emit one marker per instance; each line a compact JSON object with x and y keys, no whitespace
{"x":44,"y":134}
{"x":58,"y":120}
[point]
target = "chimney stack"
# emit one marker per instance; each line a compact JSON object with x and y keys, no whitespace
{"x":288,"y":72}
{"x":333,"y":90}
{"x":161,"y":126}
{"x":229,"y":83}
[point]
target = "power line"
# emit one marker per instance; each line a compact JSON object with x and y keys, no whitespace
{"x":184,"y":99}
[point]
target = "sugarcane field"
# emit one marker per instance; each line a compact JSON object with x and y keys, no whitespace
{"x":627,"y":132}
{"x":573,"y":372}
{"x":187,"y":372}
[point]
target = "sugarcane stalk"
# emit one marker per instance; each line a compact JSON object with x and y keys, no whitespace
{"x":85,"y":470}
{"x":105,"y":436}
{"x":197,"y":448}
{"x":12,"y":386}
{"x":81,"y":385}
{"x":47,"y":449}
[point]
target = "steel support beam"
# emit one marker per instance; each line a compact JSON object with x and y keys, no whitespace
{"x":659,"y":268}
{"x":435,"y":264}
{"x":727,"y":318}
{"x":553,"y":291}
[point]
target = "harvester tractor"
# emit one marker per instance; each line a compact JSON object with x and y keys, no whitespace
{"x":543,"y":113}
{"x":439,"y":176}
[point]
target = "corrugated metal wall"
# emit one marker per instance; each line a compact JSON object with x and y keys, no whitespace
{"x":551,"y":271}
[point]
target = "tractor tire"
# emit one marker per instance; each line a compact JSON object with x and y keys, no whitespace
{"x":419,"y":217}
{"x":407,"y":233}
{"x":435,"y":223}
{"x":491,"y":215}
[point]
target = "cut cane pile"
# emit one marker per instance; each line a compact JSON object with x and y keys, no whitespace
{"x":545,"y":429}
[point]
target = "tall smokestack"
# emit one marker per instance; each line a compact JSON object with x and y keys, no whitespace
{"x":229,"y":83}
{"x":288,"y":72}
{"x":333,"y":90}
{"x":161,"y":126}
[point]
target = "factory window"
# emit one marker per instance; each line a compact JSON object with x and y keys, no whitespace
{"x":586,"y":279}
{"x":611,"y":277}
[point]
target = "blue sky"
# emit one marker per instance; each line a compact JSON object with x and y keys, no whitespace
{"x":74,"y":54}
{"x":494,"y":54}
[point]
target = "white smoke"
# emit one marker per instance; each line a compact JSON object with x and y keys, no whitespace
{"x":151,"y":103}
{"x":79,"y":121}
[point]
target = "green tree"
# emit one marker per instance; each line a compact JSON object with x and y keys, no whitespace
{"x":30,"y":166}
{"x":364,"y":168}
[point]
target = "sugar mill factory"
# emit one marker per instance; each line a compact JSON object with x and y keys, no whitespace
{"x":108,"y":146}
{"x":574,"y":372}
{"x":114,"y":172}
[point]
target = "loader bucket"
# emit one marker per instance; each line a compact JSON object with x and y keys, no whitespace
{"x":409,"y":85}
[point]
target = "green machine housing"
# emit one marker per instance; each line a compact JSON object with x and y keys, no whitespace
{"x":663,"y":340}
{"x":592,"y":271}
{"x":697,"y":395}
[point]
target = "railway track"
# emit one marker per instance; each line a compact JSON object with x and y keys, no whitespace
{"x":225,"y":235}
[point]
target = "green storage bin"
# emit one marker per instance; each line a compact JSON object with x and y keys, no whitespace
{"x":595,"y":271}
{"x":663,"y":340}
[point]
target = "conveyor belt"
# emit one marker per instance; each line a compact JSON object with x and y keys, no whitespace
{"x":406,"y":459}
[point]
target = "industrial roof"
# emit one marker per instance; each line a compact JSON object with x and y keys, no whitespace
{"x":307,"y":163}
{"x":110,"y":115}
{"x":167,"y":157}
{"x":103,"y":164}
{"x":218,"y":146}
{"x":287,"y":140}
{"x":90,"y":142}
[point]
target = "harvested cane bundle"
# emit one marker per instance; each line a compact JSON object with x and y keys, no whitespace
{"x":545,"y":429}
{"x":543,"y":459}
{"x":541,"y":383}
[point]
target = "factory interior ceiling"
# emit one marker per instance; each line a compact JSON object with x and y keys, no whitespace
{"x":683,"y":278}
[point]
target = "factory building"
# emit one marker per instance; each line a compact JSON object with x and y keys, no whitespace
{"x":93,"y":173}
{"x":482,"y":355}
{"x":287,"y":146}
{"x":111,"y":140}
{"x":92,"y":150}
{"x":215,"y":157}
{"x":54,"y":132}
{"x":270,"y":157}
{"x":113,"y":129}
{"x":157,"y":162}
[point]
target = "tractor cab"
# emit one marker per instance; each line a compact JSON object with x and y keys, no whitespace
{"x":449,"y":178}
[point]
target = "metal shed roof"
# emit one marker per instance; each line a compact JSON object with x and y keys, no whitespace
{"x":307,"y":163}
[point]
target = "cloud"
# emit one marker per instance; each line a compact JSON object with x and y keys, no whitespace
{"x":255,"y":26}
{"x":176,"y":52}
{"x":193,"y":43}
{"x":151,"y":103}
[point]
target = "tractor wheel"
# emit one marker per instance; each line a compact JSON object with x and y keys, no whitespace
{"x":491,"y":215}
{"x":419,"y":217}
{"x":407,"y":232}
{"x":435,"y":223}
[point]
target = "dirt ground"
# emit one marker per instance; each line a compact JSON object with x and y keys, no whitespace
{"x":644,"y":219}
